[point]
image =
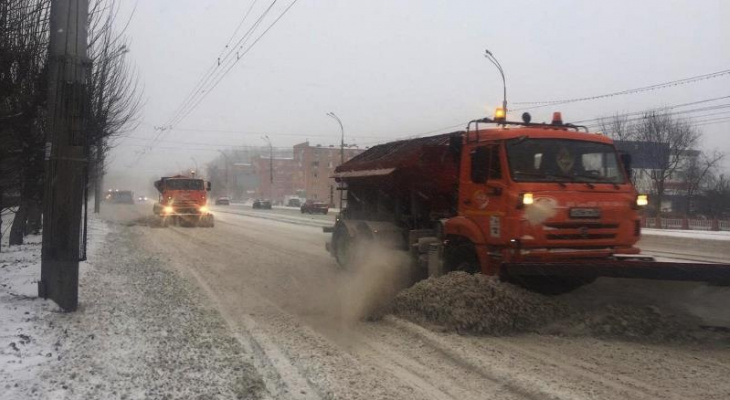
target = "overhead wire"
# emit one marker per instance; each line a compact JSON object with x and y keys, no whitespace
{"x":545,"y":103}
{"x":185,"y":108}
{"x":233,"y":63}
{"x":218,"y":65}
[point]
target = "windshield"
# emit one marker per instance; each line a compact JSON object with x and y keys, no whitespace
{"x":184,"y":184}
{"x":559,"y":160}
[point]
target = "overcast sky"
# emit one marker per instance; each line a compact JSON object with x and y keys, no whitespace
{"x":394,"y":68}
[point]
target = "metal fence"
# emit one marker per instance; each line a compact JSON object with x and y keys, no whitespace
{"x":687,"y":224}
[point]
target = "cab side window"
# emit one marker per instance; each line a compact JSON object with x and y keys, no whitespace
{"x":495,"y":164}
{"x":479,"y":164}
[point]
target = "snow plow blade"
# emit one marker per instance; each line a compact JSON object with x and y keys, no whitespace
{"x":672,"y":271}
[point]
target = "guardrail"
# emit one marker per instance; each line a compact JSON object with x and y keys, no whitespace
{"x":686,"y":224}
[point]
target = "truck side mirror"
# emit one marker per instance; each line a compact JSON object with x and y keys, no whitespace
{"x":626,"y":161}
{"x":208,"y":186}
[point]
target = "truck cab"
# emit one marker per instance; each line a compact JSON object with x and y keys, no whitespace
{"x":183,"y":200}
{"x":542,"y":193}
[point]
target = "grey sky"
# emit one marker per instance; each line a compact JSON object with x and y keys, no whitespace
{"x":397,"y":68}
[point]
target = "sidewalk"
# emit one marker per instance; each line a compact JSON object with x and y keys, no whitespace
{"x":141,"y":331}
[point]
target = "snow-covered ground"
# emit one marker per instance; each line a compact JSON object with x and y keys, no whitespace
{"x":256,"y":308}
{"x":704,"y":235}
{"x":141,"y":331}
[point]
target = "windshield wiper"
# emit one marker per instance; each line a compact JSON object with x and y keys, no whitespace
{"x":598,"y":178}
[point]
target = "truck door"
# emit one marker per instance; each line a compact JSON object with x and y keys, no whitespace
{"x":481,"y":188}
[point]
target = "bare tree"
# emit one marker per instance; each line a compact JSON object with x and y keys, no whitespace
{"x":617,"y":127}
{"x":672,"y":138}
{"x":698,"y":174}
{"x":23,"y":49}
{"x":114,"y":91}
{"x":716,"y":197}
{"x":113,"y":101}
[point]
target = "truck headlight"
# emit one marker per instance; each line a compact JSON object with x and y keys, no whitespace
{"x":204,"y":209}
{"x":527,"y":199}
{"x":168,"y":210}
{"x":642,"y":200}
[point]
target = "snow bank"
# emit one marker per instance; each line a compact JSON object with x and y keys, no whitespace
{"x":478,"y":304}
{"x":141,"y":331}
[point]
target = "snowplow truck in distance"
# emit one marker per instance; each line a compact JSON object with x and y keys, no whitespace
{"x":548,"y":206}
{"x":183,"y":201}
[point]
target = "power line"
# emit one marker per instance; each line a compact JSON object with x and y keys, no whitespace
{"x":227,"y":71}
{"x":648,"y":114}
{"x":199,"y":92}
{"x":212,"y":72}
{"x":664,"y":85}
{"x":656,"y":108}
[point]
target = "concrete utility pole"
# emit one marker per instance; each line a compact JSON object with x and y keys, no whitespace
{"x":66,"y":154}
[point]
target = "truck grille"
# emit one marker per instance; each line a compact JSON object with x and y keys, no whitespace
{"x":587,"y":230}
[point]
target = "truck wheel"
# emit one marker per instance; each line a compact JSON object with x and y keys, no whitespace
{"x":461,"y":257}
{"x":343,"y":247}
{"x":550,"y":285}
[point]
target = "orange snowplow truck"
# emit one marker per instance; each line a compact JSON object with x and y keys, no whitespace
{"x":550,"y":207}
{"x":183,"y":201}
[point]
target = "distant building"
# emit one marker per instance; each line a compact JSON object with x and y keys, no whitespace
{"x":245,"y":180}
{"x":317,"y":165}
{"x":284,"y":173}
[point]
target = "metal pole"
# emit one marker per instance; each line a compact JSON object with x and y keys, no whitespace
{"x":488,"y":54}
{"x":342,"y":137}
{"x":66,"y":153}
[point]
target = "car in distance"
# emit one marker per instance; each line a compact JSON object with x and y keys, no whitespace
{"x":314,"y":207}
{"x":294,"y":203}
{"x":262,"y":204}
{"x":223,"y":201}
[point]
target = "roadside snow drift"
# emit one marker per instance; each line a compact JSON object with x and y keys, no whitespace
{"x":478,"y":304}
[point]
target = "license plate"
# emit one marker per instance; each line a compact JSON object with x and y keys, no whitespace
{"x":585,"y":213}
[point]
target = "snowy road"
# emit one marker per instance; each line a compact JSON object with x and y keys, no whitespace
{"x":286,"y":301}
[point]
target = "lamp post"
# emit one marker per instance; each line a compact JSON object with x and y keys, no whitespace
{"x":488,"y":54}
{"x":342,"y":138}
{"x":271,"y":165}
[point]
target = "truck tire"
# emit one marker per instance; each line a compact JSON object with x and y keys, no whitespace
{"x":342,"y":245}
{"x":461,"y":256}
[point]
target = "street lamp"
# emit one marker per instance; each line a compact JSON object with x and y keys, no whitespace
{"x":342,"y":139}
{"x":488,"y":54}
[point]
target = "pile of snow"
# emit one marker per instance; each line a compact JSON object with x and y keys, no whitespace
{"x":476,"y":304}
{"x":479,"y":304}
{"x":26,"y":340}
{"x":141,"y":330}
{"x":626,"y":321}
